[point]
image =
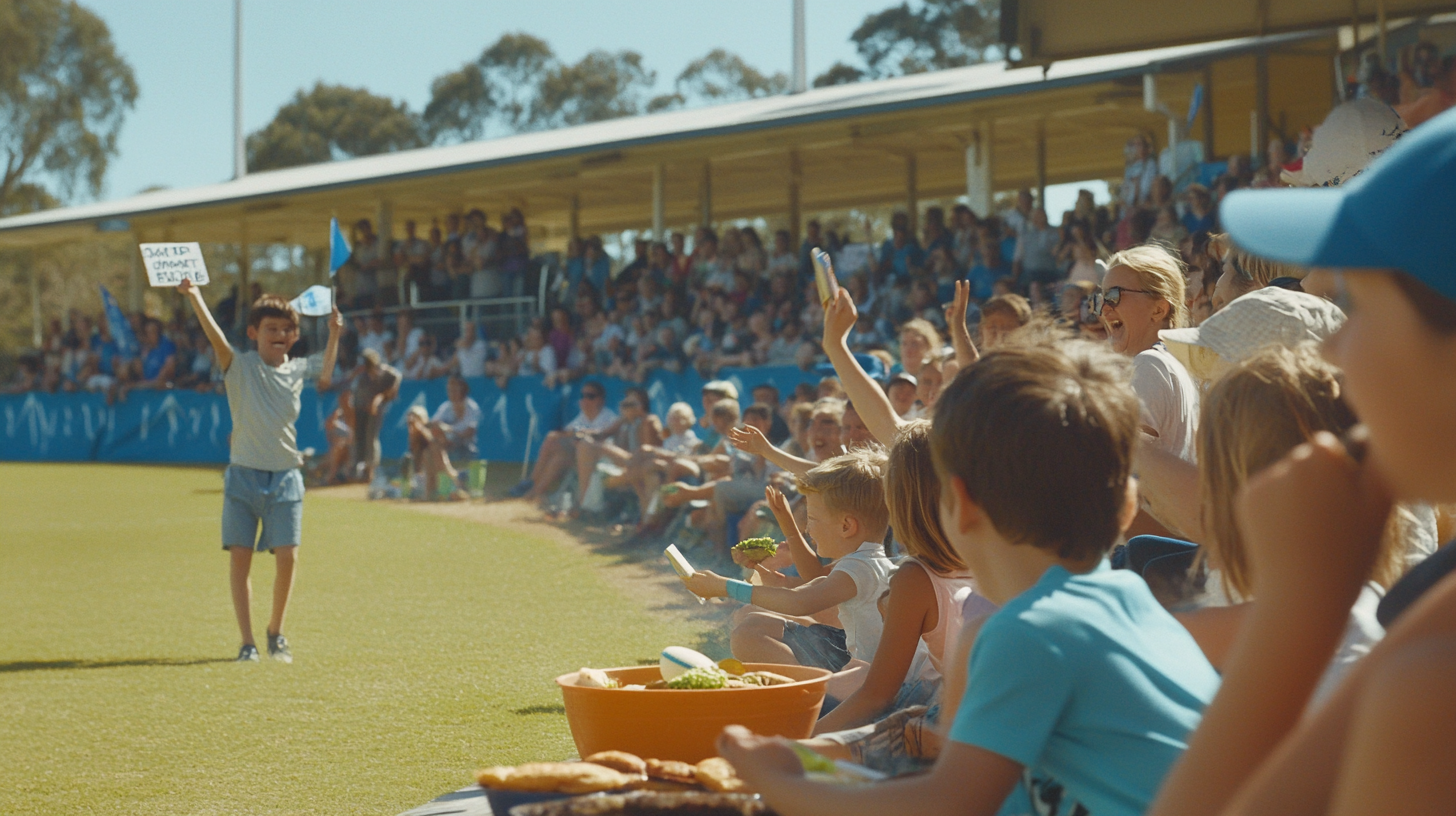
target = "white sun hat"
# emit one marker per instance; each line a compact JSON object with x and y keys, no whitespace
{"x":1264,"y":317}
{"x":1352,"y":135}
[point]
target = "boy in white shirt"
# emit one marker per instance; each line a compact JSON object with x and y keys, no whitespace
{"x":847,"y":521}
{"x":262,"y":486}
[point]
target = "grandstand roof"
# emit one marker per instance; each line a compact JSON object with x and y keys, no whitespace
{"x":851,"y":142}
{"x":1047,"y":30}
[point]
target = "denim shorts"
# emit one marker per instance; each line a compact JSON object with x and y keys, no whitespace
{"x":270,"y":498}
{"x":820,"y":645}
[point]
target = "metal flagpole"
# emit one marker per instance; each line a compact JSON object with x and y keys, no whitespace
{"x":240,"y":158}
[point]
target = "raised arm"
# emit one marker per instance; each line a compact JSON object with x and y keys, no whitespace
{"x":806,"y":560}
{"x":816,"y":596}
{"x":751,"y":440}
{"x":955,"y":318}
{"x":331,"y":350}
{"x":868,"y":398}
{"x":221,"y":348}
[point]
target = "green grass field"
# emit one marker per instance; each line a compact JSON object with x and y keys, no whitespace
{"x":424,"y":645}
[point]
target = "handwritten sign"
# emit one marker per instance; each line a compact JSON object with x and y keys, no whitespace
{"x":170,"y":264}
{"x":316,"y":301}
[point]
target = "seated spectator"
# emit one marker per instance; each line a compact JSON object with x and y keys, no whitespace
{"x":558,"y":449}
{"x":158,"y":364}
{"x":635,"y":427}
{"x":1167,"y":229}
{"x":767,"y":394}
{"x":407,"y":337}
{"x":918,"y":338}
{"x":339,"y":430}
{"x":829,"y":388}
{"x":1243,"y":273}
{"x":1035,"y":261}
{"x":471,"y":352}
{"x":847,"y":522}
{"x":1030,"y":659}
{"x":1200,"y":216}
{"x":853,"y":430}
{"x":901,"y":390}
{"x":801,"y":419}
{"x":374,"y":335}
{"x":901,"y":252}
{"x":825,"y":430}
{"x":784,"y":350}
{"x":199,"y":373}
{"x":423,"y":364}
{"x":713,"y":391}
{"x":1002,"y":315}
{"x":671,"y":460}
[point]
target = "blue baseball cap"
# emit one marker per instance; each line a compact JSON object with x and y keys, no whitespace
{"x":1398,"y":214}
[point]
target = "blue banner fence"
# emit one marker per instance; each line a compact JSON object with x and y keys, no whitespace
{"x":188,"y":427}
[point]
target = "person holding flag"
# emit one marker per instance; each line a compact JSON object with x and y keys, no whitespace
{"x":263,"y":486}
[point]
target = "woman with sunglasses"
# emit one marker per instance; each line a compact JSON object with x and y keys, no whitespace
{"x":1142,"y":294}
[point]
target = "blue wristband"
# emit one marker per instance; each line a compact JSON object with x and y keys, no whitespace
{"x":740,"y":591}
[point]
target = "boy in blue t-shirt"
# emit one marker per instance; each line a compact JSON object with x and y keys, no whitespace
{"x":1080,"y":677}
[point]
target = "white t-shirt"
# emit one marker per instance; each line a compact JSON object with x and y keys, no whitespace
{"x":870,"y":570}
{"x":264,"y":401}
{"x":683,"y":444}
{"x":1361,"y":635}
{"x":1169,"y":400}
{"x":603,"y":419}
{"x":472,"y":358}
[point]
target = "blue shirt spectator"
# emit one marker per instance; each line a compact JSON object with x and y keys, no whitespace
{"x":1085,"y":679}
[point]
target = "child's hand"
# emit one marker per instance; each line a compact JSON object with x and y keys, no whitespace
{"x":955,"y":311}
{"x":749,"y":440}
{"x":779,"y":504}
{"x":758,"y":759}
{"x":1314,"y":521}
{"x":706,"y":584}
{"x":186,"y":287}
{"x":336,"y":321}
{"x":676,"y":497}
{"x":772,"y":577}
{"x":839,"y":318}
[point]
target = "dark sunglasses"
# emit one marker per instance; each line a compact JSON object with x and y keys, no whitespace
{"x":592,"y":395}
{"x":1112,"y":297}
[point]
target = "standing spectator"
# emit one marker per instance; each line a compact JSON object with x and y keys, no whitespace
{"x":471,"y":352}
{"x":633,"y":271}
{"x":813,"y":239}
{"x":767,"y":394}
{"x":515,"y":251}
{"x":1138,"y":174}
{"x":901,"y":390}
{"x":1018,"y":218}
{"x":373,"y":335}
{"x":374,"y":388}
{"x":596,"y":266}
{"x":1035,"y":263}
{"x":485,"y":277}
{"x":423,"y":364}
{"x":1080,"y":253}
{"x":414,"y":257}
{"x":364,"y":259}
{"x":560,"y":337}
{"x":901,"y":252}
{"x":782,"y":260}
{"x":682,"y":260}
{"x":457,"y":266}
{"x":964,"y":240}
{"x":408,"y":335}
{"x":991,"y":265}
{"x":1200,"y":216}
{"x":440,"y":285}
{"x":634,"y":428}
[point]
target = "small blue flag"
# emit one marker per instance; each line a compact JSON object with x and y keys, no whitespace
{"x":339,"y":251}
{"x":127,"y":346}
{"x":1195,"y":103}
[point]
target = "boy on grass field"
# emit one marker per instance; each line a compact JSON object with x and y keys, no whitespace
{"x":262,"y":485}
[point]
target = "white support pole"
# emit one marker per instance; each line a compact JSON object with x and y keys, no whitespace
{"x":1041,"y":168}
{"x":134,"y":276}
{"x":36,"y":333}
{"x":796,"y":215}
{"x":912,"y":193}
{"x":659,"y":202}
{"x":979,"y":171}
{"x":801,"y":70}
{"x":705,"y":196}
{"x":240,"y":156}
{"x":245,"y":271}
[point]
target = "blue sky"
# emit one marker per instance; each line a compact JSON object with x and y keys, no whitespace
{"x":180,"y":133}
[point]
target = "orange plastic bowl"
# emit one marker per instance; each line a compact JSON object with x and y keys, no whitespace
{"x":683,"y":724}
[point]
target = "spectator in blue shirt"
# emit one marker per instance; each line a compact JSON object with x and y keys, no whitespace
{"x":990,"y":265}
{"x":159,"y":357}
{"x":1201,"y":216}
{"x":900,"y":252}
{"x":1081,"y":680}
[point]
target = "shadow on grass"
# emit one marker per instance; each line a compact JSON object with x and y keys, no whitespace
{"x":50,"y":665}
{"x":540,"y":709}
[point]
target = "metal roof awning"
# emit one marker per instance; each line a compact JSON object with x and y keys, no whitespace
{"x":1049,"y":30}
{"x":844,"y":146}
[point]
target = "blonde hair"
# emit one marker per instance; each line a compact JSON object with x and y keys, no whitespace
{"x":925,"y":329}
{"x":801,"y":416}
{"x":852,"y":483}
{"x":682,"y":409}
{"x":912,"y":497}
{"x":1159,"y":272}
{"x":1259,"y":411}
{"x":1252,"y":272}
{"x":1012,"y":305}
{"x":726,"y":407}
{"x":832,"y":406}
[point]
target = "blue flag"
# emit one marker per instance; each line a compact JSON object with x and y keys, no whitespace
{"x":127,"y":346}
{"x":339,"y":251}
